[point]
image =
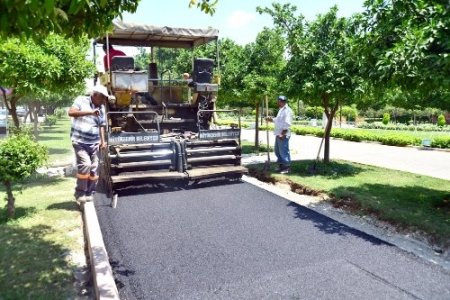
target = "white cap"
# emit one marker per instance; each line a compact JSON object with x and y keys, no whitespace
{"x":101,"y":89}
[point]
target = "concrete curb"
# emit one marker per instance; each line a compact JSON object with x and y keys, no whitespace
{"x":104,"y":285}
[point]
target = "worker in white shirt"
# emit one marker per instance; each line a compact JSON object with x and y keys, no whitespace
{"x":282,"y":132}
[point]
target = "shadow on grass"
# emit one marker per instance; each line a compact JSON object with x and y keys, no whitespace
{"x":20,"y":212}
{"x":44,"y":137}
{"x":68,"y":205}
{"x":31,"y":267}
{"x":330,"y":226}
{"x":247,"y":149}
{"x":413,"y":207}
{"x":332,"y":170}
{"x":53,"y":130}
{"x":59,"y":151}
{"x":40,"y":180}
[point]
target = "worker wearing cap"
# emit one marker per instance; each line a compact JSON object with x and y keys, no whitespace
{"x":87,"y":135}
{"x":282,"y":133}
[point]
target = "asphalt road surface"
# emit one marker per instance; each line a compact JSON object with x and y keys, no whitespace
{"x":237,"y":241}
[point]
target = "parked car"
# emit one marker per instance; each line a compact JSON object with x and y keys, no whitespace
{"x":3,"y":121}
{"x":21,"y":111}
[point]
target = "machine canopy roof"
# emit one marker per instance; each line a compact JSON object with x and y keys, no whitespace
{"x":129,"y":34}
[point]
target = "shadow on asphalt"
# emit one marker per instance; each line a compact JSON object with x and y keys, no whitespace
{"x":173,"y":186}
{"x":330,"y":226}
{"x":119,"y":269}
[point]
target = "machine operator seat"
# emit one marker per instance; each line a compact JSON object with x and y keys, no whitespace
{"x":122,"y":63}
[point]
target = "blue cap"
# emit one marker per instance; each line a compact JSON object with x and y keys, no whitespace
{"x":282,"y":98}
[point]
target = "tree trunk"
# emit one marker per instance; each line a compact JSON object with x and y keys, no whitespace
{"x":330,"y":112}
{"x":28,"y":113}
{"x":257,"y":127}
{"x":11,"y":200}
{"x":13,"y":111}
{"x":35,"y":119}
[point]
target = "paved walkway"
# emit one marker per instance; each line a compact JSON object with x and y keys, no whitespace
{"x":434,"y":163}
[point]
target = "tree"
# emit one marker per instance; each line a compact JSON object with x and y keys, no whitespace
{"x":20,"y":156}
{"x":265,"y":63}
{"x":233,"y":67}
{"x":142,"y":59}
{"x":322,"y":68}
{"x":55,"y":65}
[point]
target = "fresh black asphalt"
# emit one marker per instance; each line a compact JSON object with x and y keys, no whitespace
{"x":236,"y":241}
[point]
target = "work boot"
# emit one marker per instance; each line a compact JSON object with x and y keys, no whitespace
{"x":81,"y":198}
{"x":285,"y":170}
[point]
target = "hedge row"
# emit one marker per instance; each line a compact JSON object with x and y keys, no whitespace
{"x":401,"y":139}
{"x":358,"y":135}
{"x":441,"y":142}
{"x":393,"y":139}
{"x":420,"y":127}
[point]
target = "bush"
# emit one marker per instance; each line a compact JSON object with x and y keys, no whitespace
{"x":314,"y":112}
{"x":441,"y":142}
{"x":60,"y":112}
{"x":349,"y":113}
{"x":20,"y":156}
{"x":386,"y":118}
{"x":50,"y":120}
{"x":398,"y":140}
{"x":441,"y":120}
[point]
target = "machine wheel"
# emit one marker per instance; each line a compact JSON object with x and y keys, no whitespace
{"x":114,"y":199}
{"x":105,"y":185}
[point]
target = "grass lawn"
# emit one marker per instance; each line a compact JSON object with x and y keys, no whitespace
{"x":36,"y":247}
{"x":410,"y":201}
{"x":57,"y":139}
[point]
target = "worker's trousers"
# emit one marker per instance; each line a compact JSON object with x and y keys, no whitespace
{"x":282,"y":152}
{"x":87,"y":166}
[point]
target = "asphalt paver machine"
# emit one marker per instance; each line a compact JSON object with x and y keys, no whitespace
{"x":160,"y":130}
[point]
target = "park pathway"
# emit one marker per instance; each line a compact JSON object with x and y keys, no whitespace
{"x":429,"y":162}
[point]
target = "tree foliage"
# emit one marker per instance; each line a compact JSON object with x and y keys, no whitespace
{"x":35,"y":18}
{"x":53,"y":66}
{"x":72,"y":18}
{"x":204,"y":5}
{"x":265,"y":63}
{"x":20,"y":156}
{"x":407,"y":47}
{"x":233,"y":63}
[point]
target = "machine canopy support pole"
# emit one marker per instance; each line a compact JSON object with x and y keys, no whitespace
{"x":107,"y":55}
{"x":94,"y":56}
{"x":218,"y":61}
